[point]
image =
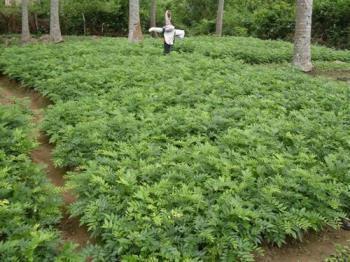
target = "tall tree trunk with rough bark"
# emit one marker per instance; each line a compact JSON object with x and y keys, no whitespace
{"x":135,"y":32}
{"x":25,"y":37}
{"x":220,"y":17}
{"x":153,"y":16}
{"x":302,"y":41}
{"x":55,"y":29}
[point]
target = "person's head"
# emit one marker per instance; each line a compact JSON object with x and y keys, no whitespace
{"x":167,"y":17}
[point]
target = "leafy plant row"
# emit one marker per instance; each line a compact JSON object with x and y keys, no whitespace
{"x":255,"y":51}
{"x":342,"y":254}
{"x":29,"y":204}
{"x":187,"y":157}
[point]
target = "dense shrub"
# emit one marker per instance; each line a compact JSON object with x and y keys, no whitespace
{"x":276,"y":22}
{"x":101,"y":17}
{"x":29,"y":204}
{"x":332,"y":22}
{"x":342,"y":254}
{"x":189,"y":156}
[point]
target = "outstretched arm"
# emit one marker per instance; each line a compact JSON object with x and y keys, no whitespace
{"x":156,"y":29}
{"x":180,"y":33}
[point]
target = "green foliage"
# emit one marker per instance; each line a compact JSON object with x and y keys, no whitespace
{"x":255,"y":51}
{"x":101,"y":16}
{"x":265,"y":19}
{"x":342,"y":254}
{"x":332,"y":23}
{"x":193,"y":156}
{"x":276,"y":22}
{"x":29,"y":204}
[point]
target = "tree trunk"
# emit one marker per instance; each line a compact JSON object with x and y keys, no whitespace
{"x":8,"y":3}
{"x":153,"y":16}
{"x":220,"y":17}
{"x":135,"y":32}
{"x":84,"y":23}
{"x":36,"y":22}
{"x":302,"y":41}
{"x":7,"y":21}
{"x":55,"y":29}
{"x":25,"y":37}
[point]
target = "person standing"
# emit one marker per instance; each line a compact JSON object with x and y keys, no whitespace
{"x":169,"y":32}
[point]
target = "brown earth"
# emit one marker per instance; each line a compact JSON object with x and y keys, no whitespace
{"x":315,"y":247}
{"x":336,"y":74}
{"x":10,"y":91}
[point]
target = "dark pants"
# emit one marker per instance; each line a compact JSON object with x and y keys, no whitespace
{"x":167,"y":48}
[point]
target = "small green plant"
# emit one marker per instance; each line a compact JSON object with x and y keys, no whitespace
{"x":342,"y":254}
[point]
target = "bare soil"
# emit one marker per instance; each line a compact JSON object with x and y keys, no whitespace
{"x":315,"y":247}
{"x":336,"y":74}
{"x":10,"y":91}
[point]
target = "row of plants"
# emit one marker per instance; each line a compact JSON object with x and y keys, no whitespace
{"x":255,"y":51}
{"x":249,"y":50}
{"x":188,"y":157}
{"x":29,"y":204}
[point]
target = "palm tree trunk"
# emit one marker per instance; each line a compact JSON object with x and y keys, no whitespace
{"x":25,"y":37}
{"x":55,"y":29}
{"x":135,"y":32}
{"x":302,"y":41}
{"x":220,"y":17}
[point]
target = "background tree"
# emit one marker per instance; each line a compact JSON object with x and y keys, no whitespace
{"x":302,"y":41}
{"x":135,"y":32}
{"x":256,"y":18}
{"x":153,"y":15}
{"x":220,"y":17}
{"x":55,"y":29}
{"x":25,"y":23}
{"x":8,"y":2}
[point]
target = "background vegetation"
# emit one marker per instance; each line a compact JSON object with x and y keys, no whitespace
{"x":267,"y":19}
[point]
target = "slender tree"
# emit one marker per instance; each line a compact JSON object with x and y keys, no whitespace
{"x":25,"y":23}
{"x":153,"y":15}
{"x":135,"y":32}
{"x":220,"y":17}
{"x":55,"y":29}
{"x":302,"y":41}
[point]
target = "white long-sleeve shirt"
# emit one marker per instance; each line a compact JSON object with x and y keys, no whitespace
{"x":169,"y":33}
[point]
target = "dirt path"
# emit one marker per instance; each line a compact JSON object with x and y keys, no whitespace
{"x":314,"y":248}
{"x":10,"y":91}
{"x":335,"y":74}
